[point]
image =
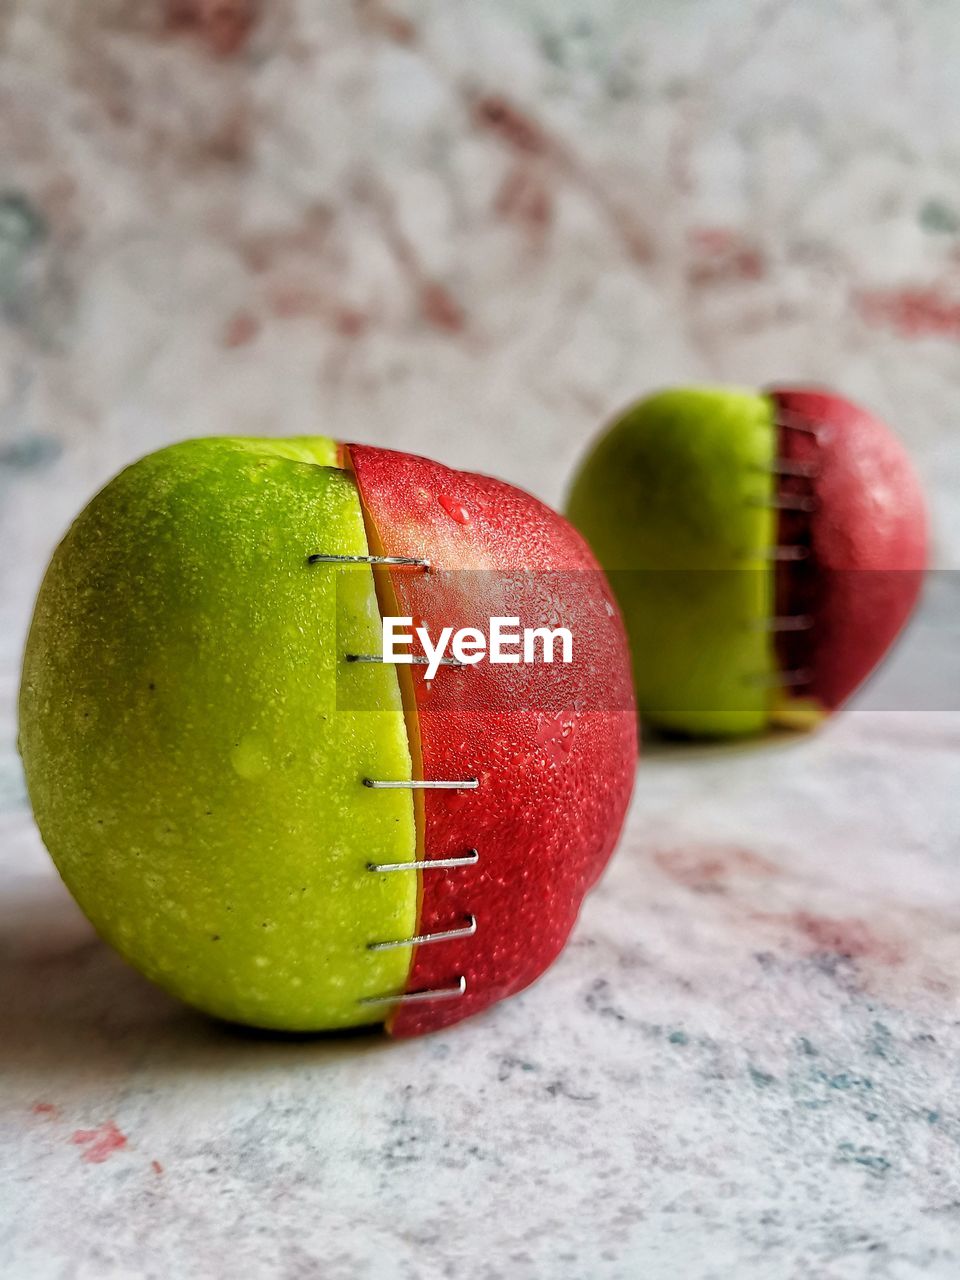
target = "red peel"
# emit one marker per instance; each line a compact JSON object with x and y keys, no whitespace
{"x":554,"y":746}
{"x":866,"y":538}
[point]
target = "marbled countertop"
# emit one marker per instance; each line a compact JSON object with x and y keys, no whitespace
{"x":473,"y":229}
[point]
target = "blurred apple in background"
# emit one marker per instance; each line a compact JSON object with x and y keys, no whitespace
{"x":207,"y":759}
{"x":766,"y":549}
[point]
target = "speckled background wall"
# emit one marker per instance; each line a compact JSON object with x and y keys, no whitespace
{"x":473,"y":228}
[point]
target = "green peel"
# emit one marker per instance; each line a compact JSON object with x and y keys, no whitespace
{"x":191,"y":755}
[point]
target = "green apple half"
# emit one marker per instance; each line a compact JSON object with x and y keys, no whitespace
{"x":177,"y":713}
{"x":676,"y":502}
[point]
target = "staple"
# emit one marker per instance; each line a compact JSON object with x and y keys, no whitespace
{"x":469,"y":859}
{"x":795,"y":467}
{"x":419,"y":939}
{"x":786,"y":502}
{"x":409,"y":562}
{"x":417,"y":660}
{"x":788,"y":553}
{"x":417,"y":997}
{"x":786,"y":622}
{"x":794,"y":422}
{"x":424,"y":784}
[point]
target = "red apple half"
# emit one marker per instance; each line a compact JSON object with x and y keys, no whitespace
{"x":552,"y":746}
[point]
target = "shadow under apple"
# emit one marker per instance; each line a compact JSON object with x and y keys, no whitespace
{"x":71,"y":1007}
{"x":665,"y":743}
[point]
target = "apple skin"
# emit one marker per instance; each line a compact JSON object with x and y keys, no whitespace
{"x":674,"y":499}
{"x":867,"y":543}
{"x":554,"y":747}
{"x":192,"y":770}
{"x":684,"y":500}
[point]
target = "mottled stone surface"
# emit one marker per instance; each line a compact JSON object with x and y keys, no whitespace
{"x":474,"y":230}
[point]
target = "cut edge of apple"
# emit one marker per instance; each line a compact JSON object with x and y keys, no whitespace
{"x":389,"y":607}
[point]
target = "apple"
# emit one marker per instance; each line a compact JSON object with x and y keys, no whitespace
{"x":246,"y":809}
{"x":766,"y":548}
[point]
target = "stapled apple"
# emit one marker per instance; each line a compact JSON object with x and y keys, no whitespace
{"x":261,"y":813}
{"x":766,"y":550}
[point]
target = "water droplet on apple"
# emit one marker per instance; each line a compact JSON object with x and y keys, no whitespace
{"x":166,"y":833}
{"x":557,"y":733}
{"x":454,"y":508}
{"x":455,"y":800}
{"x":249,"y":757}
